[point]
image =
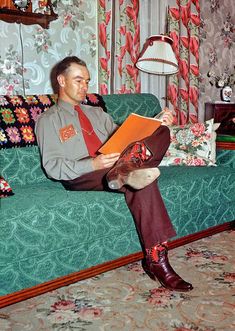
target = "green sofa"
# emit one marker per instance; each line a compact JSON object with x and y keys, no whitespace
{"x":51,"y":237}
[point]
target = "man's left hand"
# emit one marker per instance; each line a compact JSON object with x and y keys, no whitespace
{"x":167,"y":117}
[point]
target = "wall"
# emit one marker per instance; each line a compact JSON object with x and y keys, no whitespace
{"x":217,"y":49}
{"x":75,"y":32}
{"x":28,"y":52}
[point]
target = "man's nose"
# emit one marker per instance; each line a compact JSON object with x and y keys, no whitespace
{"x":84,"y":85}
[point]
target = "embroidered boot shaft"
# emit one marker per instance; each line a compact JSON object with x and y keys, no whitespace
{"x":130,"y":169}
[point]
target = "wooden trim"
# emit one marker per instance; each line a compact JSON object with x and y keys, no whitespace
{"x":225,"y":145}
{"x":31,"y":292}
{"x":202,"y":234}
{"x":27,"y":18}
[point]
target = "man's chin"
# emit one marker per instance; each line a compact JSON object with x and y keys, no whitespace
{"x":82,"y":98}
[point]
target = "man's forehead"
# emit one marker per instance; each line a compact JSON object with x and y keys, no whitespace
{"x":79,"y":71}
{"x":80,"y":76}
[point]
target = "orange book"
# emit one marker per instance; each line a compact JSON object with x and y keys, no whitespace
{"x":134,"y":128}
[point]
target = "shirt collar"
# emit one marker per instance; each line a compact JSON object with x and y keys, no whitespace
{"x":66,"y":106}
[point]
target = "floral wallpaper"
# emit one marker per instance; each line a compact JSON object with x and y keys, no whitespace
{"x":30,"y":52}
{"x":217,"y":47}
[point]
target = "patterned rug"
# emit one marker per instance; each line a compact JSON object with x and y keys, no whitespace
{"x":126,"y":299}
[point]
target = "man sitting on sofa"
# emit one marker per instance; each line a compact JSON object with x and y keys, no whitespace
{"x":69,"y":135}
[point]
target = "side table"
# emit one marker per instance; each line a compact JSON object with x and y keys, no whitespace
{"x":224,"y":113}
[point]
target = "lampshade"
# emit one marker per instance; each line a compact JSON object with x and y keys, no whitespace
{"x":157,"y":56}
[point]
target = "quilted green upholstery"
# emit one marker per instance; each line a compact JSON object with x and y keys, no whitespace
{"x":226,"y":158}
{"x":47,"y":232}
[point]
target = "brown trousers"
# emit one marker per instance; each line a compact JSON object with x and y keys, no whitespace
{"x":146,"y":205}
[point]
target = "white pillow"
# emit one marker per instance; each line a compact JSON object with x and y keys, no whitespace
{"x":192,"y":145}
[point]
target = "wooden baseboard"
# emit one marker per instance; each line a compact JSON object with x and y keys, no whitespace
{"x":15,"y":297}
{"x":225,"y":145}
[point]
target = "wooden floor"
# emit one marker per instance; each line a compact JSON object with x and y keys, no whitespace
{"x":104,"y":267}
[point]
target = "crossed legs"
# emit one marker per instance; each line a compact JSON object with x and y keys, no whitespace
{"x":148,"y":210}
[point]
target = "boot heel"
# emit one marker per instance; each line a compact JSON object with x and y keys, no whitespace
{"x":114,"y":184}
{"x":149,"y":273}
{"x":117,"y":183}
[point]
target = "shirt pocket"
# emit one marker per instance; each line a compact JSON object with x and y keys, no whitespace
{"x":75,"y":148}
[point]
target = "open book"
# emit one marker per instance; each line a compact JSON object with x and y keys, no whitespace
{"x":134,"y":128}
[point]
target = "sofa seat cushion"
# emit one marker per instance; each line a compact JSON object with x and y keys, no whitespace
{"x":52,"y":232}
{"x":46,"y":218}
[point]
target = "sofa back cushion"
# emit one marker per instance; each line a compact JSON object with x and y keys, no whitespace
{"x":21,"y":165}
{"x":119,"y":106}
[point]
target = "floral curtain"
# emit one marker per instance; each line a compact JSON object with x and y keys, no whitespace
{"x":183,"y":88}
{"x":119,"y":45}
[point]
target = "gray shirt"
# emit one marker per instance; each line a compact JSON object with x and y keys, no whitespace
{"x":70,"y":158}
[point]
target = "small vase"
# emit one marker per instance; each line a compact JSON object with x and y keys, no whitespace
{"x":226,"y":93}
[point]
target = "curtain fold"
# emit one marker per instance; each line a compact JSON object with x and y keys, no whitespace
{"x":119,"y":46}
{"x":183,"y":88}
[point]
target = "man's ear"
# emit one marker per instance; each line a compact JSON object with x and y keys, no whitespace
{"x":60,"y":80}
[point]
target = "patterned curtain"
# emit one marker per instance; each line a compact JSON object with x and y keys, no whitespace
{"x":119,"y":46}
{"x":183,"y":88}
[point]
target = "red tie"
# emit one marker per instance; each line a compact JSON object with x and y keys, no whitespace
{"x":93,"y":143}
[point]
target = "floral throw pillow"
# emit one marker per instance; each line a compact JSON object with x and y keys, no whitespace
{"x":5,"y":189}
{"x":192,"y":145}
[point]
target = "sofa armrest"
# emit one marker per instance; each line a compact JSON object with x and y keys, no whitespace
{"x":225,"y":157}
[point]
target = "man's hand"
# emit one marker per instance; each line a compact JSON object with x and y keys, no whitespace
{"x":166,"y":116}
{"x":103,"y":161}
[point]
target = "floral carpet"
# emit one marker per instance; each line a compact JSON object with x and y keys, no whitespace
{"x":126,"y":299}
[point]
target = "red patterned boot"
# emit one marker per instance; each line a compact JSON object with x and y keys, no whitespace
{"x":130,"y":170}
{"x":157,"y":266}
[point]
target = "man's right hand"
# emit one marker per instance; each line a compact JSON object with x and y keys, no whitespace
{"x":103,"y":161}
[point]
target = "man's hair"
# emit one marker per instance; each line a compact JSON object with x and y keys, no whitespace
{"x":63,"y":65}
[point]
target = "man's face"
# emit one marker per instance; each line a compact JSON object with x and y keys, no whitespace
{"x":74,"y":84}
